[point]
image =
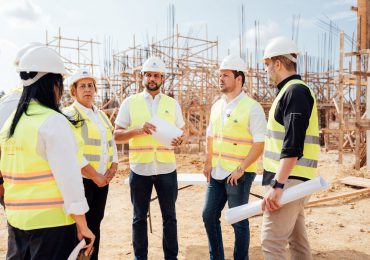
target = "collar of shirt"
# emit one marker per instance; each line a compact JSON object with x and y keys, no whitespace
{"x":282,"y":84}
{"x":228,"y":107}
{"x":148,"y":96}
{"x":94,"y":109}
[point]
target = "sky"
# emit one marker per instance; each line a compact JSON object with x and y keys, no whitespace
{"x":24,"y":21}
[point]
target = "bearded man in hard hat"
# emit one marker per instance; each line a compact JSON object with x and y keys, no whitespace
{"x":151,"y":164}
{"x":291,"y":152}
{"x":9,"y":102}
{"x":235,"y":140}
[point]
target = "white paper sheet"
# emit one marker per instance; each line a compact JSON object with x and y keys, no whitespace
{"x":296,"y":192}
{"x":200,"y":179}
{"x":76,"y":250}
{"x":165,"y":131}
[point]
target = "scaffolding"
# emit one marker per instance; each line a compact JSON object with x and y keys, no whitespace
{"x":192,"y":78}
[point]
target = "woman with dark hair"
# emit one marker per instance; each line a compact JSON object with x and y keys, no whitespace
{"x":44,"y":194}
{"x":100,"y":159}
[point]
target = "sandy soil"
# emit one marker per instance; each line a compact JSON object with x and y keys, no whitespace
{"x":337,"y":230}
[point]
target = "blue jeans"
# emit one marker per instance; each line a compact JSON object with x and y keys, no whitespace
{"x":218,"y":192}
{"x":141,"y":190}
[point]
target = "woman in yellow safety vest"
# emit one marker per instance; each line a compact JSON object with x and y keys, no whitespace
{"x":99,"y":149}
{"x":44,"y":195}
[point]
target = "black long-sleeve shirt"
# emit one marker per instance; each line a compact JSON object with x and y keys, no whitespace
{"x":293,"y":112}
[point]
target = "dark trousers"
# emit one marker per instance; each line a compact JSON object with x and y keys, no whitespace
{"x":141,"y":190}
{"x":96,"y":198}
{"x":45,"y":243}
{"x":218,"y":193}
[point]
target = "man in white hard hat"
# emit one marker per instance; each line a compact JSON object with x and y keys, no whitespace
{"x":235,"y":140}
{"x":9,"y":102}
{"x":151,"y":164}
{"x":291,"y":152}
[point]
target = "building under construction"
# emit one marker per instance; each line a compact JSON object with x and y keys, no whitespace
{"x":192,"y":78}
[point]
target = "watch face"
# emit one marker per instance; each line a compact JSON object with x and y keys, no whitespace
{"x":273,"y":182}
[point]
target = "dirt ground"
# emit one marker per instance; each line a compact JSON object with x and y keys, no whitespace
{"x":337,"y":230}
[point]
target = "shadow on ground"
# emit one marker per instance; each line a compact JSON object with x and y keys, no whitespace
{"x":201,"y":252}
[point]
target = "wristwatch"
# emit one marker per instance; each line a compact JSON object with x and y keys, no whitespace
{"x":275,"y":184}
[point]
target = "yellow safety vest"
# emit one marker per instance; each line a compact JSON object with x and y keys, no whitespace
{"x":144,"y":148}
{"x":306,"y":166}
{"x":32,"y":197}
{"x":89,"y":131}
{"x":233,"y":141}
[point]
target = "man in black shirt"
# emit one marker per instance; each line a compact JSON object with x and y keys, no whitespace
{"x":291,"y":153}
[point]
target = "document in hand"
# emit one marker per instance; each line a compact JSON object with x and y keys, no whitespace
{"x":296,"y":192}
{"x":76,"y":250}
{"x":165,"y":132}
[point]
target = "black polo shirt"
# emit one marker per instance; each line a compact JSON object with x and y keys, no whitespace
{"x":293,"y":112}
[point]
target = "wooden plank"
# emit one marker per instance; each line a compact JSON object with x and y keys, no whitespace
{"x":340,"y":196}
{"x":356,"y":181}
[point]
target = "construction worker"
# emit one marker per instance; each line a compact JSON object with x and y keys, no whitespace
{"x":150,"y":162}
{"x":235,"y":140}
{"x":291,"y":152}
{"x":44,"y":194}
{"x":9,"y":102}
{"x":99,"y":149}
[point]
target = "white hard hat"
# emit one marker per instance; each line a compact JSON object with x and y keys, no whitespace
{"x":154,"y":64}
{"x":24,"y":49}
{"x":42,"y":60}
{"x":281,"y":46}
{"x":82,"y":73}
{"x":233,"y":62}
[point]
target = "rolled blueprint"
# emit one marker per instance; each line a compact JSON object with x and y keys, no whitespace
{"x":296,"y":192}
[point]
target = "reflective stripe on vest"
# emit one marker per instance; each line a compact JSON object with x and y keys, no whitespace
{"x":305,"y":166}
{"x":91,"y":135}
{"x":302,"y":162}
{"x":232,"y":141}
{"x":309,"y":139}
{"x":19,"y":178}
{"x":27,"y":204}
{"x":144,"y":148}
{"x":32,"y":197}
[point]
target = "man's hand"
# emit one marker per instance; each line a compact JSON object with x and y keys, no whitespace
{"x":271,"y":200}
{"x":111,"y":171}
{"x":207,"y":170}
{"x":177,"y":141}
{"x":148,"y":128}
{"x":235,"y":176}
